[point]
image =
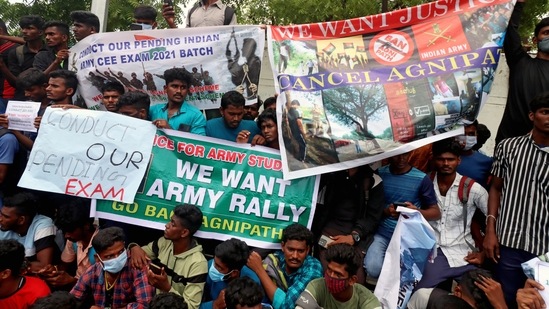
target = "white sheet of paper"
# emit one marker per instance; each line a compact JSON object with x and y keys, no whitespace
{"x":21,"y":115}
{"x":543,"y":278}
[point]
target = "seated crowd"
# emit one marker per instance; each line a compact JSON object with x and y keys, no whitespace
{"x":54,"y":255}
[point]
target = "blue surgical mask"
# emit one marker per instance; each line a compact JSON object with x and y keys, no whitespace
{"x":115,"y":265}
{"x":543,"y":45}
{"x":467,"y":141}
{"x":217,"y":276}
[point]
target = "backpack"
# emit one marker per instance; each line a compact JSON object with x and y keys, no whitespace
{"x":229,"y":13}
{"x":464,"y":188}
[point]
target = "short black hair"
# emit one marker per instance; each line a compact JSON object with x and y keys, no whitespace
{"x":190,"y":217}
{"x":539,"y":101}
{"x":25,"y":204}
{"x":234,"y":98}
{"x":113,"y":86}
{"x":168,"y":300}
{"x":32,"y":20}
{"x":105,"y":238}
{"x":87,"y":18}
{"x":233,"y":252}
{"x":73,"y":213}
{"x":268,"y":102}
{"x":243,"y":291}
{"x":31,"y":77}
{"x":469,"y":288}
{"x":344,"y":254}
{"x":267,"y":114}
{"x":145,"y":12}
{"x":483,"y":134}
{"x":296,"y":231}
{"x":178,"y":74}
{"x":137,"y":99}
{"x":71,"y":81}
{"x":57,"y":300}
{"x":12,"y":256}
{"x":295,"y":102}
{"x":542,"y":23}
{"x":62,"y":27}
{"x":446,"y":145}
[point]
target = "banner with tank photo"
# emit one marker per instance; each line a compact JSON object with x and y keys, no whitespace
{"x":360,"y":90}
{"x":239,"y":189}
{"x":90,"y":154}
{"x":219,"y":58}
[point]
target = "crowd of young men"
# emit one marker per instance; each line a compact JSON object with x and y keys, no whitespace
{"x":50,"y":243}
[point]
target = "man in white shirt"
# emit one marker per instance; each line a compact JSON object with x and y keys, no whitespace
{"x":457,"y":196}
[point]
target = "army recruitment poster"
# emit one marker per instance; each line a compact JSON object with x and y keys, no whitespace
{"x":240,"y":190}
{"x":359,"y":90}
{"x":219,"y":58}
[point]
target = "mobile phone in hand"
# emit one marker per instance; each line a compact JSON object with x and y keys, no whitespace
{"x":157,"y":270}
{"x":324,"y":241}
{"x":399,"y":204}
{"x":168,"y":2}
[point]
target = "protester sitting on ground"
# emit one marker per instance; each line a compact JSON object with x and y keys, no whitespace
{"x":176,"y":260}
{"x":228,"y":264}
{"x":339,"y":287}
{"x":84,"y":24}
{"x":57,"y":300}
{"x":449,"y":302}
{"x":111,"y":282}
{"x":230,"y":126}
{"x":251,"y":111}
{"x":458,"y":197}
{"x":404,"y":186}
{"x":177,"y":114}
{"x":243,"y":293}
{"x":285,"y":274}
{"x":62,"y":85}
{"x":144,"y":18}
{"x":73,"y":218}
{"x":476,"y":287}
{"x":168,"y":301}
{"x":111,"y":92}
{"x":19,"y":221}
{"x":269,"y":128}
{"x":349,"y":212}
{"x":16,"y":290}
{"x":135,"y":104}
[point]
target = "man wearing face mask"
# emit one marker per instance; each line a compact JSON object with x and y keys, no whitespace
{"x":339,"y":288}
{"x":228,"y":264}
{"x":144,"y":18}
{"x":527,"y":76}
{"x":473,"y":163}
{"x":111,"y":282}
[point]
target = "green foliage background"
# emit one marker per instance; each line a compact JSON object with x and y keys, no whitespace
{"x":276,"y":12}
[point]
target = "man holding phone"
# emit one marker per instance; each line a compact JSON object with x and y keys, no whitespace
{"x":204,"y":13}
{"x":406,"y":186}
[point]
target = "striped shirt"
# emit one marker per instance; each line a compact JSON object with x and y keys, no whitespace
{"x":523,"y":221}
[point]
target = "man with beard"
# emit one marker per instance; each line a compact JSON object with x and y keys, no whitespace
{"x":458,"y":196}
{"x":230,"y":126}
{"x":285,"y":274}
{"x":176,"y":114}
{"x":57,"y":55}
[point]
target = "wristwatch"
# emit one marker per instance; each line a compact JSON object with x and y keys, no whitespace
{"x":356,"y":237}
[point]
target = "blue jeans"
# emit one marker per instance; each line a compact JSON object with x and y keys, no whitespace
{"x":440,"y":270}
{"x":510,"y":273}
{"x":373,"y":262}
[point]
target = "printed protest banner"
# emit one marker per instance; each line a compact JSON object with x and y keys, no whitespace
{"x":239,"y":189}
{"x":21,"y":115}
{"x":90,"y":154}
{"x":384,"y":84}
{"x":219,"y":58}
